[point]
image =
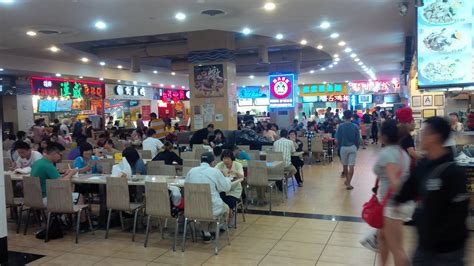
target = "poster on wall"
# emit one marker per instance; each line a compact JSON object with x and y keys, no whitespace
{"x":445,"y":45}
{"x":281,"y":90}
{"x":146,"y":111}
{"x":209,"y":80}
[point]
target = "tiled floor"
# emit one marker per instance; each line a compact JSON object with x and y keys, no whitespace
{"x":261,"y":240}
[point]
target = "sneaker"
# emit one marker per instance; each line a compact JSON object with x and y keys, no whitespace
{"x":206,"y":237}
{"x":300,"y":185}
{"x":370,"y":242}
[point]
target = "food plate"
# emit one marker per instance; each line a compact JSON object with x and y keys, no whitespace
{"x":444,"y":69}
{"x":445,"y":40}
{"x":442,"y":12}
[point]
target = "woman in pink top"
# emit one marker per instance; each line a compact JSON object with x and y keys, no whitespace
{"x":269,"y":133}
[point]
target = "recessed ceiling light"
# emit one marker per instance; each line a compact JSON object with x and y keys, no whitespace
{"x":303,"y":42}
{"x":353,"y":55}
{"x":246,"y":31}
{"x":31,"y":33}
{"x":335,"y":63}
{"x":118,"y":80}
{"x":183,"y":87}
{"x":334,"y":35}
{"x":84,"y":59}
{"x":1,"y":69}
{"x":346,"y":81}
{"x":341,"y":43}
{"x":173,"y":73}
{"x":119,"y":66}
{"x":360,"y":63}
{"x":162,"y":85}
{"x":149,"y":84}
{"x":100,"y":25}
{"x":356,"y":59}
{"x":337,"y":59}
{"x":101,"y":79}
{"x":102,"y":63}
{"x":320,"y":47}
{"x":251,"y":76}
{"x":324,"y":82}
{"x":323,"y":68}
{"x":173,"y":86}
{"x":155,"y":71}
{"x":336,"y":55}
{"x":134,"y":83}
{"x":324,"y":25}
{"x":54,"y":49}
{"x":279,"y":36}
{"x":269,"y":6}
{"x":81,"y":77}
{"x":57,"y":74}
{"x":311,"y":71}
{"x":348,"y":50}
{"x":180,"y":16}
{"x":6,"y":1}
{"x":331,"y":66}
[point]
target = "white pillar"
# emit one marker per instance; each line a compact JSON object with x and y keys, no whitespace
{"x":24,"y":105}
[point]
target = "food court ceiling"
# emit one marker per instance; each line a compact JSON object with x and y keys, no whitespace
{"x":373,"y":29}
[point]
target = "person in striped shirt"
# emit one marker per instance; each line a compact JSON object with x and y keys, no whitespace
{"x":287,"y":147}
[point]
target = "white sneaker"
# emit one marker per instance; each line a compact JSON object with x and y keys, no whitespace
{"x":370,"y":241}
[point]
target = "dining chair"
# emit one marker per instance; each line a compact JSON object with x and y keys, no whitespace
{"x":273,"y":156}
{"x":70,"y":162}
{"x":158,"y":205}
{"x":60,"y":201}
{"x":32,"y":199}
{"x":63,"y":166}
{"x":257,"y":176}
{"x":240,"y":204}
{"x":277,"y":173}
{"x":254,"y":154}
{"x":118,"y":199}
{"x":199,"y":208}
{"x":317,"y":147}
{"x":185,"y":170}
{"x":12,"y":202}
{"x":198,"y":152}
{"x":267,"y":148}
{"x":105,"y":166}
{"x":191,"y":163}
{"x":145,"y":154}
{"x":188,"y":155}
{"x":152,"y":167}
{"x":169,"y":170}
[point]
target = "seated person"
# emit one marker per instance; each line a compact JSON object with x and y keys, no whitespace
{"x":217,"y":139}
{"x":136,"y":163}
{"x":168,"y":155}
{"x":200,"y":136}
{"x":240,"y":154}
{"x":109,"y":149}
{"x":26,"y":157}
{"x":43,"y":145}
{"x":86,"y":163}
{"x":76,"y":151}
{"x":101,"y":141}
{"x":217,"y":151}
{"x":151,"y":143}
{"x":206,"y":174}
{"x":233,"y":170}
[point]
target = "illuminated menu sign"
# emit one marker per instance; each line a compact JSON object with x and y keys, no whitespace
{"x":167,"y":95}
{"x":374,"y":86}
{"x":55,"y":87}
{"x":328,"y":98}
{"x":445,"y":44}
{"x":323,"y":89}
{"x":252,"y":92}
{"x":281,"y":90}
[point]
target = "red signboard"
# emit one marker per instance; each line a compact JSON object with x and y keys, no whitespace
{"x":174,"y":95}
{"x":56,"y":87}
{"x":146,"y":111}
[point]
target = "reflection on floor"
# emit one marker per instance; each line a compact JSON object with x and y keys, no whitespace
{"x":318,"y":225}
{"x":20,"y":258}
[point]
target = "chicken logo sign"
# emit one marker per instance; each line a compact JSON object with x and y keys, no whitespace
{"x":281,"y":90}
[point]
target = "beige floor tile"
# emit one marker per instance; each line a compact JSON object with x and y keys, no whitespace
{"x":251,"y":245}
{"x":263,"y":231}
{"x":314,"y":224}
{"x":74,"y":259}
{"x":46,"y":252}
{"x":42,"y":260}
{"x":298,"y":250}
{"x":345,"y":239}
{"x":352,"y":227}
{"x":279,"y":260}
{"x":118,"y":262}
{"x":347,"y":255}
{"x":307,"y":236}
{"x":234,"y":258}
{"x":322,"y":263}
{"x":183,"y":258}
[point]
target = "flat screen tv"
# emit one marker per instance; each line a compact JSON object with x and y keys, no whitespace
{"x":47,"y":106}
{"x":64,"y":106}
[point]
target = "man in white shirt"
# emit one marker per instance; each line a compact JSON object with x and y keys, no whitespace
{"x":287,"y":147}
{"x":26,"y":157}
{"x":151,"y":143}
{"x":206,"y":174}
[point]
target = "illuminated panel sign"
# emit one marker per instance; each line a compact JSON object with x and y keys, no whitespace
{"x":56,"y":87}
{"x":323,"y":89}
{"x":252,"y":92}
{"x":374,"y":86}
{"x":281,"y":90}
{"x":168,"y":95}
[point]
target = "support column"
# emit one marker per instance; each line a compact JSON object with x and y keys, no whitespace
{"x":3,"y":214}
{"x":212,"y":74}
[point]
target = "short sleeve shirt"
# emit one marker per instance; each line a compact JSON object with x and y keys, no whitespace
{"x":44,"y":169}
{"x":79,"y":162}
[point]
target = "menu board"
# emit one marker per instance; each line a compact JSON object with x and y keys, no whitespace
{"x":47,"y":106}
{"x":445,"y":45}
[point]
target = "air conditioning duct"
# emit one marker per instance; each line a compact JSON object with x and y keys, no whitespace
{"x":135,"y":64}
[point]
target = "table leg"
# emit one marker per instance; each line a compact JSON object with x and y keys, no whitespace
{"x":102,"y":206}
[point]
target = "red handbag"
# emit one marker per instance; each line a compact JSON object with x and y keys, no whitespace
{"x":372,"y":210}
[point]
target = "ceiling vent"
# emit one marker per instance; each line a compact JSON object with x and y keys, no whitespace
{"x":213,"y":12}
{"x":49,"y":32}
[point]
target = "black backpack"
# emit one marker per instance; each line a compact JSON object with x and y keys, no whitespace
{"x":55,"y":230}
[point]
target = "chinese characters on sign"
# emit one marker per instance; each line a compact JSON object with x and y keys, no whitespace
{"x":129,"y":91}
{"x":328,"y":98}
{"x":281,"y":90}
{"x":174,"y":95}
{"x":66,"y":88}
{"x":375,"y":86}
{"x":252,"y":92}
{"x":323,"y":89}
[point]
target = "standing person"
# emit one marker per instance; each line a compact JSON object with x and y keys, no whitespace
{"x":441,"y":187}
{"x":406,"y":126}
{"x":304,"y":120}
{"x":77,"y":129}
{"x":206,"y":174}
{"x":367,"y":121}
{"x":392,"y":169}
{"x":140,"y":123}
{"x":133,"y":158}
{"x":200,"y":136}
{"x":89,"y":130}
{"x":287,"y":147}
{"x":296,"y":161}
{"x":248,"y":117}
{"x":348,"y":140}
{"x":151,"y":143}
{"x":456,"y":126}
{"x":158,"y":125}
{"x":375,"y":129}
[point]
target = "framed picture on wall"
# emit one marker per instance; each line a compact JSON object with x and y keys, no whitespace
{"x":416,"y":101}
{"x":427,"y":100}
{"x":439,"y":100}
{"x":439,"y":112}
{"x":427,"y":113}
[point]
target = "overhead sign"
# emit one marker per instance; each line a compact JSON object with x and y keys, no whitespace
{"x":167,"y":95}
{"x":445,"y":45}
{"x":329,"y":98}
{"x":252,"y":92}
{"x":374,"y":86}
{"x":323,"y":89}
{"x":281,"y":90}
{"x":56,"y":87}
{"x":129,"y":90}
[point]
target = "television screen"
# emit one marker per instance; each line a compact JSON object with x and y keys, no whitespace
{"x":46,"y":106}
{"x":365,"y":98}
{"x":64,"y":106}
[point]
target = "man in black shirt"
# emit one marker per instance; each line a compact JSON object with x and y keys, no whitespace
{"x":200,"y":136}
{"x":441,"y":186}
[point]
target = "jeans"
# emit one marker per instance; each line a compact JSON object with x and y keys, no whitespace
{"x":429,"y":258}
